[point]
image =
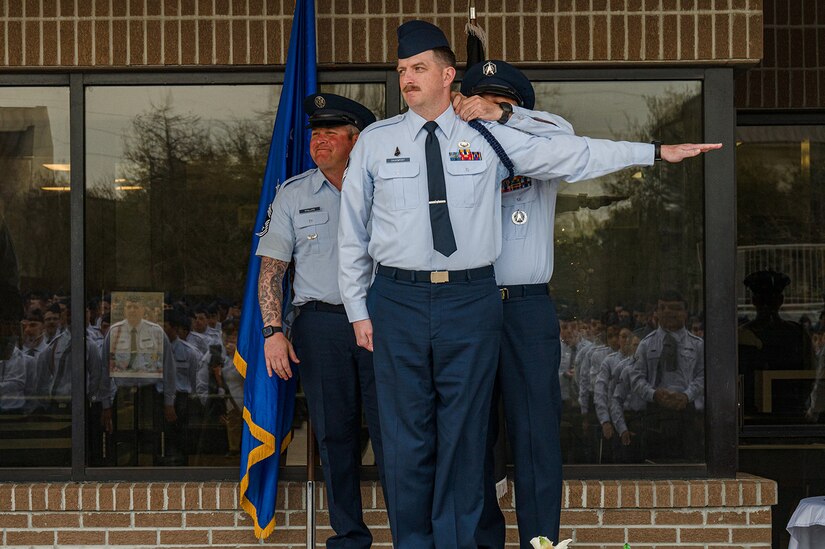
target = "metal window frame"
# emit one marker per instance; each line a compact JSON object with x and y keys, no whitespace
{"x":719,"y":285}
{"x":784,"y":117}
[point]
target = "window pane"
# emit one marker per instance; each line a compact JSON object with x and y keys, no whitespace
{"x":173,"y":182}
{"x":35,"y":358}
{"x":621,"y":242}
{"x":781,"y":257}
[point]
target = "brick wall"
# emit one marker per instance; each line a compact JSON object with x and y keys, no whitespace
{"x":792,"y":73}
{"x":699,"y":513}
{"x":117,"y":33}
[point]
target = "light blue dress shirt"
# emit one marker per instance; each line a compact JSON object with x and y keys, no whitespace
{"x":623,"y":399}
{"x":303,"y":224}
{"x":13,"y":380}
{"x":386,"y":186}
{"x":687,"y":378}
{"x":190,"y":377}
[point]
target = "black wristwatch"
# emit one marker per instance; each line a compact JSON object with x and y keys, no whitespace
{"x":269,"y":331}
{"x":507,"y":109}
{"x":657,"y":150}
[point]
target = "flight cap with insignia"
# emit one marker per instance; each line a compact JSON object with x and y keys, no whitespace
{"x":767,"y":282}
{"x":419,"y":36}
{"x":328,"y":109}
{"x":499,"y":78}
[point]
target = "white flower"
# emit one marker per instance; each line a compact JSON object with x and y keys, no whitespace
{"x":542,"y":542}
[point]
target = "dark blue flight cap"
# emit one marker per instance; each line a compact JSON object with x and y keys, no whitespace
{"x":418,"y":36}
{"x":328,"y":109}
{"x":499,"y":78}
{"x":767,"y":282}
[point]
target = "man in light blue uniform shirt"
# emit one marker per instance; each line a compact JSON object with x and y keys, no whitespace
{"x":528,"y":373}
{"x":422,"y":199}
{"x":336,"y":374}
{"x":669,"y":375}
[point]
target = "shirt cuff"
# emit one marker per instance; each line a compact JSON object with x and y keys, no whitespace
{"x":356,"y":310}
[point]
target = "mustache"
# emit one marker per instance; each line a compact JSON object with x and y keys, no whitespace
{"x":410,"y":87}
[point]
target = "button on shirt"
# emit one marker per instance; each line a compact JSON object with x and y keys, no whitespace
{"x":527,"y":249}
{"x":304,"y":225}
{"x":688,"y":376}
{"x":386,"y":185}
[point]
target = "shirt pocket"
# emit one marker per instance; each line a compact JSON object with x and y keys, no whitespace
{"x":465,"y":182}
{"x":400,"y":183}
{"x":311,"y":232}
{"x":512,"y":202}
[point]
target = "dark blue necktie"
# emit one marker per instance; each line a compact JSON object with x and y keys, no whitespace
{"x":443,"y":237}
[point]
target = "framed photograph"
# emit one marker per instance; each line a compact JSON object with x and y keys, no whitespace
{"x":136,"y":335}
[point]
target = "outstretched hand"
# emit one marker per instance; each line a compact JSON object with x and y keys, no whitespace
{"x":677,"y":153}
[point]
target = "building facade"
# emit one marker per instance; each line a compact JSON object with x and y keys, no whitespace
{"x":133,"y":139}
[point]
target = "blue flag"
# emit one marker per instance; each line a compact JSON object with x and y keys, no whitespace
{"x":269,"y":401}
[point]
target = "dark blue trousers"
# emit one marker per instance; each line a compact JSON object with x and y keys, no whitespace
{"x":528,"y":375}
{"x":436,"y":348}
{"x":338,"y":380}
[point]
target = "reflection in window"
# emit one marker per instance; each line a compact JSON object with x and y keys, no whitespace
{"x":781,"y":264}
{"x":35,"y":351}
{"x":628,"y":280}
{"x":173,"y":181}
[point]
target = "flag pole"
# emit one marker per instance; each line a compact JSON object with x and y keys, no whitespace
{"x":310,"y":487}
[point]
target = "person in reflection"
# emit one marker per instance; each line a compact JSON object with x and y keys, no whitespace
{"x":816,"y":402}
{"x":51,"y":323}
{"x":769,"y":342}
{"x":33,"y":341}
{"x":337,"y":375}
{"x":606,"y":343}
{"x":574,"y":347}
{"x":604,"y":385}
{"x":14,"y":368}
{"x":138,"y":358}
{"x":191,"y":383}
{"x":226,"y":385}
{"x":185,"y":332}
{"x":626,"y":409}
{"x":669,"y":375}
{"x":92,"y":330}
{"x":697,"y":327}
{"x":213,"y":324}
{"x":55,"y":362}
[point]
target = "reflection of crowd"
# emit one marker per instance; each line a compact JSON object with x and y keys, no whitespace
{"x":633,"y":384}
{"x":168,"y":391}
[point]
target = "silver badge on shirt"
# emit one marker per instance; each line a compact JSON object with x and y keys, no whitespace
{"x":519,"y":217}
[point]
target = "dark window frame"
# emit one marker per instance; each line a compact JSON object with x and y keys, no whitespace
{"x":719,"y":284}
{"x":787,"y":434}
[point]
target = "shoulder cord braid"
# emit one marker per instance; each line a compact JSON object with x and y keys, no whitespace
{"x":499,"y":150}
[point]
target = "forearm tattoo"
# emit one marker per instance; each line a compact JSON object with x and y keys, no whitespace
{"x":270,"y":290}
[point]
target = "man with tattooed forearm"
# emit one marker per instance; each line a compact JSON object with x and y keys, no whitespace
{"x":336,"y":374}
